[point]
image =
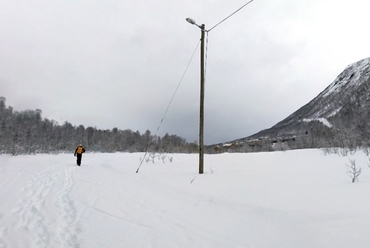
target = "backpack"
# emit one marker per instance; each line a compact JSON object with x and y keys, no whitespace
{"x":80,"y":150}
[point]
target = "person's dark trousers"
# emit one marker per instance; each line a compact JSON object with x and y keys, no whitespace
{"x":79,"y":157}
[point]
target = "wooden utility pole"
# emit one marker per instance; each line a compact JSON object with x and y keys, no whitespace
{"x":201,"y":117}
{"x":202,"y":80}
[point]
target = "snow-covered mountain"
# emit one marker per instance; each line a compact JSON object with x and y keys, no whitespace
{"x":349,"y":89}
{"x":337,"y":116}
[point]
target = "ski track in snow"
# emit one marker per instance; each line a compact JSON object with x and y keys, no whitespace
{"x":2,"y":234}
{"x":49,"y":186}
{"x":68,"y":231}
{"x":285,"y":201}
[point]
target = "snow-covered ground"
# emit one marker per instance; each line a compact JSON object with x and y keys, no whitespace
{"x":299,"y":198}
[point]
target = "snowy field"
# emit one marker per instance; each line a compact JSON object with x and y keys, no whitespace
{"x":293,"y":199}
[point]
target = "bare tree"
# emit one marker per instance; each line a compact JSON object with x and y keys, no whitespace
{"x":353,"y":171}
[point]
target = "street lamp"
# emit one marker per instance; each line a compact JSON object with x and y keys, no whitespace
{"x":202,"y":79}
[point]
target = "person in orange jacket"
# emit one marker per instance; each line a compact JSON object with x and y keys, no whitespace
{"x":79,"y":150}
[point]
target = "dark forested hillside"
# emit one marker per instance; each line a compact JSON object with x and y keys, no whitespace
{"x":27,"y":132}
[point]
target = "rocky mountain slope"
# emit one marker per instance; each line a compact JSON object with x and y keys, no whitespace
{"x":338,"y":116}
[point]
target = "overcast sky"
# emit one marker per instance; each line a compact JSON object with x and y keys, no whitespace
{"x":117,"y":63}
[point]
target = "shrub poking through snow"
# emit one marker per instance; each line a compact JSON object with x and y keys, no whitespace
{"x":353,"y":171}
{"x":151,"y":157}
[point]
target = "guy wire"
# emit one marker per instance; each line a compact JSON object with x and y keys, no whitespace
{"x":173,"y":96}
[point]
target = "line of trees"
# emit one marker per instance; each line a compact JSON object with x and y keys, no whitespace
{"x":26,"y":132}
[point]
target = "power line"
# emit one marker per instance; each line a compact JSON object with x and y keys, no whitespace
{"x":206,"y":60}
{"x":230,"y":16}
{"x":207,"y":32}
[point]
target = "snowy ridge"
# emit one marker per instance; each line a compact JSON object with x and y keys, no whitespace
{"x":355,"y":74}
{"x":344,"y":105}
